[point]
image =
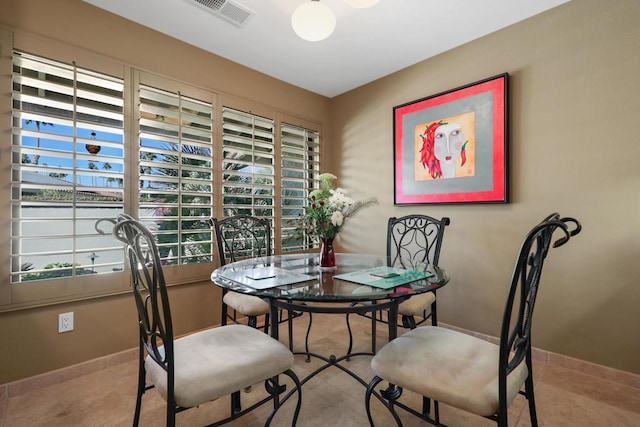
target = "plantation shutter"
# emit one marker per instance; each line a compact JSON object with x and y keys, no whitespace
{"x":300,"y":169}
{"x":247,"y":165}
{"x":67,"y":169}
{"x":176,"y":176}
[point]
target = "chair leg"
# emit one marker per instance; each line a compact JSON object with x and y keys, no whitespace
{"x":434,"y":314}
{"x":290,"y":326}
{"x":374,"y":331}
{"x":426,"y":405}
{"x":252,"y":321}
{"x":225,"y":313}
{"x":171,"y":415}
{"x":141,"y":389}
{"x":266,"y":323}
{"x":434,"y":322}
{"x":426,"y":408}
{"x":236,"y":406}
{"x":409,"y":322}
{"x":528,"y":388}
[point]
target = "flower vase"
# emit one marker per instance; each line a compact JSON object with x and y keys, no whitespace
{"x":327,"y":255}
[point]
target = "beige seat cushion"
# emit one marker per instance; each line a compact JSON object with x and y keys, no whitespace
{"x":248,"y":305}
{"x":417,"y":304}
{"x":219,"y":361}
{"x":447,"y":366}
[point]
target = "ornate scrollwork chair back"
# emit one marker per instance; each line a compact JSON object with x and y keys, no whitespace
{"x":414,"y":242}
{"x":149,"y":291}
{"x":515,"y":334}
{"x":428,"y":360}
{"x":242,"y":236}
{"x":415,"y":239}
{"x":239,"y":237}
{"x":202,"y":366}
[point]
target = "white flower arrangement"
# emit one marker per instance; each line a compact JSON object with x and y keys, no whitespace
{"x":329,"y":208}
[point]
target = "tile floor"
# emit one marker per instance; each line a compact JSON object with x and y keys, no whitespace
{"x":106,"y":397}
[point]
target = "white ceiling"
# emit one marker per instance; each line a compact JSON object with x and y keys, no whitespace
{"x":366,"y":45}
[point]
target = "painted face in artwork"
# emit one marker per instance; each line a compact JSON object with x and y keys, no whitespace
{"x":448,"y":143}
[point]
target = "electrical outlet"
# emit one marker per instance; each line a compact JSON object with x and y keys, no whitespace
{"x":65,"y":322}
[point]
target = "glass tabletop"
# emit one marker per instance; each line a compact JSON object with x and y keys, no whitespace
{"x":299,"y":277}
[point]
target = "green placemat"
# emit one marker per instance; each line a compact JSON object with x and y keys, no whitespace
{"x":384,"y":277}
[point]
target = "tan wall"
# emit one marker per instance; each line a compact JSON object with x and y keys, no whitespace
{"x":102,"y":326}
{"x":30,"y":342}
{"x":575,"y":98}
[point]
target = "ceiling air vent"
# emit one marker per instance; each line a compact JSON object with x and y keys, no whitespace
{"x":230,"y":11}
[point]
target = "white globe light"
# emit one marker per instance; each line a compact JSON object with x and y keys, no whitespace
{"x":361,"y":3}
{"x":313,"y":21}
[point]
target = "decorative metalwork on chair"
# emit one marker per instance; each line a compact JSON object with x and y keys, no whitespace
{"x":413,"y":243}
{"x":415,"y":238}
{"x":495,"y":374}
{"x":242,"y":236}
{"x":239,"y":237}
{"x":229,"y":347}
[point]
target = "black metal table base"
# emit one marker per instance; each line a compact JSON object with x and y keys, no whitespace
{"x":333,"y":360}
{"x":330,"y":361}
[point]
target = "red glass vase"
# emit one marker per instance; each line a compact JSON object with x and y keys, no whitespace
{"x":327,"y":255}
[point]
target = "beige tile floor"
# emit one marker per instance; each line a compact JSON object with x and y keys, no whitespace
{"x":106,"y":397}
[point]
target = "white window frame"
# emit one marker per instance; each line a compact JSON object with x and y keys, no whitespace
{"x":57,"y":189}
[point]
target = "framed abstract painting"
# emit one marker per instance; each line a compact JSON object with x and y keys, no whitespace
{"x":452,"y":147}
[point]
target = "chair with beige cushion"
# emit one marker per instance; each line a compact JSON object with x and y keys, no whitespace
{"x":202,"y":366}
{"x":465,"y":372}
{"x":414,"y":241}
{"x":238,"y":237}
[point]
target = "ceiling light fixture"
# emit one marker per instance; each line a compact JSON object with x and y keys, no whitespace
{"x":313,"y":21}
{"x":361,"y":3}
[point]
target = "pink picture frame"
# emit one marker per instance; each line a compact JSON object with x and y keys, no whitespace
{"x":452,"y":147}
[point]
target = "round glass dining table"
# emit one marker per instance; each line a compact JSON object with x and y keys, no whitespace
{"x":321,"y":285}
{"x":297,"y":283}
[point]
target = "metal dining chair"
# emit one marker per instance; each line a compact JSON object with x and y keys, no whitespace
{"x":466,"y":372}
{"x":240,"y":237}
{"x":413,"y":243}
{"x":202,"y":366}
